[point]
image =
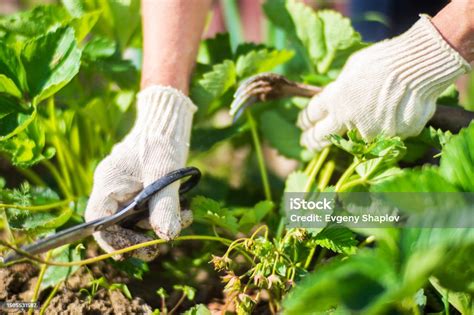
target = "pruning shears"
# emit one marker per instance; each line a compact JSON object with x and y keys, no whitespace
{"x":126,"y":216}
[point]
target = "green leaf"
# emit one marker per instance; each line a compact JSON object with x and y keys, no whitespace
{"x":328,"y":37}
{"x":374,"y":172}
{"x":188,"y":291}
{"x":209,"y":211}
{"x":435,"y":137}
{"x":50,"y":62}
{"x":220,"y":79}
{"x":457,"y":273}
{"x":11,"y":68}
{"x":469,"y":103}
{"x":121,"y":71}
{"x":417,"y":180}
{"x":28,"y":147}
{"x":7,"y":108}
{"x":296,"y":182}
{"x":354,"y":283}
{"x":457,"y":159}
{"x":12,"y":120}
{"x":99,"y":47}
{"x":215,"y":50}
{"x":450,"y":96}
{"x":39,"y":20}
{"x":309,"y":29}
{"x":427,"y":250}
{"x":353,"y":145}
{"x":338,"y":36}
{"x":199,"y":309}
{"x":417,"y":147}
{"x":7,"y":86}
{"x":56,"y":274}
{"x":277,"y":13}
{"x":132,"y":266}
{"x":317,"y":79}
{"x":34,"y":221}
{"x":204,"y":139}
{"x":389,"y":149}
{"x":245,"y":48}
{"x":257,"y":61}
{"x":339,"y":240}
{"x":282,"y":135}
{"x":120,"y":19}
{"x":461,"y":301}
{"x":161,"y":292}
{"x":74,"y":7}
{"x":207,"y":92}
{"x":434,"y":202}
{"x":255,"y":215}
{"x":84,"y":24}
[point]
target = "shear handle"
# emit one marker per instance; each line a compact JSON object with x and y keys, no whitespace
{"x":166,"y":180}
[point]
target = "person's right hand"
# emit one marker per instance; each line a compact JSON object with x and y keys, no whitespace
{"x":157,"y":144}
{"x":389,"y":88}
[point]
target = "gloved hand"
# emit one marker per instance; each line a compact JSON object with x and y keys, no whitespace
{"x":157,"y":144}
{"x":389,"y":88}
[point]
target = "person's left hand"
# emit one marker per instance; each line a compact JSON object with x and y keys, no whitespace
{"x":389,"y":88}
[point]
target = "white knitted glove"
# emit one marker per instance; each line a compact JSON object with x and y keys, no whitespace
{"x":157,"y":144}
{"x":389,"y":88}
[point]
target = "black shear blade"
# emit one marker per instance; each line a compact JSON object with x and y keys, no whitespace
{"x":135,"y":208}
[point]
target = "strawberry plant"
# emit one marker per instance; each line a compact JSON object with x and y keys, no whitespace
{"x":68,"y":77}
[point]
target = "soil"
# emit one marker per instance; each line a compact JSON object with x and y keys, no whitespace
{"x":17,"y":284}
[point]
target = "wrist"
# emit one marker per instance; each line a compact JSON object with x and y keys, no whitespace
{"x":164,"y":111}
{"x":167,"y":74}
{"x":456,"y":24}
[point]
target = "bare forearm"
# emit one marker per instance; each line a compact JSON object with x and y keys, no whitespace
{"x":171,"y":33}
{"x":456,"y":24}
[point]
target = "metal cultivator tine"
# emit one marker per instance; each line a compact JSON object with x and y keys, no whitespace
{"x":267,"y":86}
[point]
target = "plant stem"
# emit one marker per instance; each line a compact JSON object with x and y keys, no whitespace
{"x":281,"y":228}
{"x":74,"y":163}
{"x":317,"y":166}
{"x":38,"y":208}
{"x":416,"y":310}
{"x":352,"y":183}
{"x":88,"y":261}
{"x":31,"y":176}
{"x":326,"y":174}
{"x":446,"y":302}
{"x":164,"y":309}
{"x":258,"y":151}
{"x":57,"y":177}
{"x":180,"y":301}
{"x":310,"y":165}
{"x":310,"y":257}
{"x":57,"y":144}
{"x":348,"y":172}
{"x":50,"y":297}
{"x":6,"y":225}
{"x":40,"y":279}
{"x":262,"y":227}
